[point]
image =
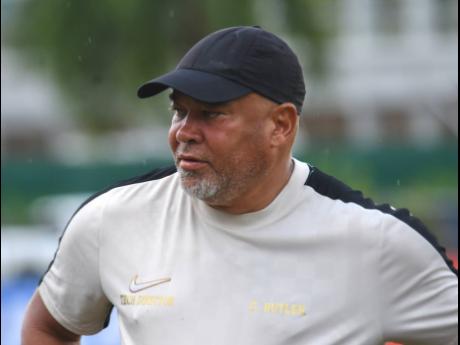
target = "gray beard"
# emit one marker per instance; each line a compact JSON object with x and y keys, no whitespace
{"x":202,"y":189}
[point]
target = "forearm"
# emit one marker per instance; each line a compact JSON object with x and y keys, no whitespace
{"x":40,"y":328}
{"x":35,"y":336}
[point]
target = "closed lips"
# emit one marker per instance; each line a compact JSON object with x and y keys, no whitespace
{"x":190,"y":158}
{"x":190,"y":162}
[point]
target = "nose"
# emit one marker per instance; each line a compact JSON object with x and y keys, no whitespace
{"x":189,"y":130}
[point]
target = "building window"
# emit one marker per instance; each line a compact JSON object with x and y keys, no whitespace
{"x":446,"y":16}
{"x":394,"y":125}
{"x":388,"y":16}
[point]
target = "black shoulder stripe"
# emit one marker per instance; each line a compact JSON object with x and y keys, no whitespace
{"x":155,"y":174}
{"x":330,"y":187}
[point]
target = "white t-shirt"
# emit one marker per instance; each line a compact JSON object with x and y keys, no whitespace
{"x":320,"y":265}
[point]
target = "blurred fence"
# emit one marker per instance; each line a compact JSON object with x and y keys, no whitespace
{"x":422,"y":179}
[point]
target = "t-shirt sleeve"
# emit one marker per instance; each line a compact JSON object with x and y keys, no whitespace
{"x":71,"y":289}
{"x":420,"y":292}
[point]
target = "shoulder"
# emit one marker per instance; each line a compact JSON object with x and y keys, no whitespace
{"x":397,"y":226}
{"x":117,"y":199}
{"x":86,"y":223}
{"x":134,"y":183}
{"x":128,"y":189}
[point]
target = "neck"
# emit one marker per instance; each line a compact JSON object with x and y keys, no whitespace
{"x":264,"y":190}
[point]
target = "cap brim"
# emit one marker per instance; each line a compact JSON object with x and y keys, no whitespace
{"x":203,"y":86}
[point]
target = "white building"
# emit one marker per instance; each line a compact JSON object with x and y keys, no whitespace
{"x":393,"y":73}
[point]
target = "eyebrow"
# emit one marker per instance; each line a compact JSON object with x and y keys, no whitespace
{"x":172,"y":98}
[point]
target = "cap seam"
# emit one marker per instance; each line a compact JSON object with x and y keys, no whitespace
{"x":205,"y":51}
{"x":250,"y":45}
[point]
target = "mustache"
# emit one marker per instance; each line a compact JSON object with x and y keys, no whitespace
{"x":187,"y":149}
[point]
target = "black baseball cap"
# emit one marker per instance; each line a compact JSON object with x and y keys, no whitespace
{"x":230,"y":63}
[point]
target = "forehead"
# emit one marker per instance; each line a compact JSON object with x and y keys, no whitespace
{"x":251,"y":103}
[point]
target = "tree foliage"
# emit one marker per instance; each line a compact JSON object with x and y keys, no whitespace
{"x":101,"y":51}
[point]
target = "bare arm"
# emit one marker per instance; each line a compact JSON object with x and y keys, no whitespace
{"x":40,"y":328}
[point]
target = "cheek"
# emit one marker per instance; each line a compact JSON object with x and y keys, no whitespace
{"x":232,"y":149}
{"x":172,"y":138}
{"x":256,"y":146}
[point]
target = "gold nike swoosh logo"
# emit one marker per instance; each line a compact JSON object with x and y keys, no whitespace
{"x":135,"y":286}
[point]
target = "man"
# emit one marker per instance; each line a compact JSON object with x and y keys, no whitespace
{"x":240,"y":243}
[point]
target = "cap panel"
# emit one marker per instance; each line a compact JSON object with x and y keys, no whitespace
{"x":272,"y":69}
{"x":220,"y":52}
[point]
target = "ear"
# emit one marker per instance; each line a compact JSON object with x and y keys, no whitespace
{"x":285,"y":120}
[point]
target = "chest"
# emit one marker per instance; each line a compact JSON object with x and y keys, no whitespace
{"x":176,"y":282}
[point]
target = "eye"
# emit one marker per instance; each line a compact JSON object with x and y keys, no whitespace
{"x":210,"y":114}
{"x":178,"y":112}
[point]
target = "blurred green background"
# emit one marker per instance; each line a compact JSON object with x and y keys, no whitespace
{"x":381,"y":111}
